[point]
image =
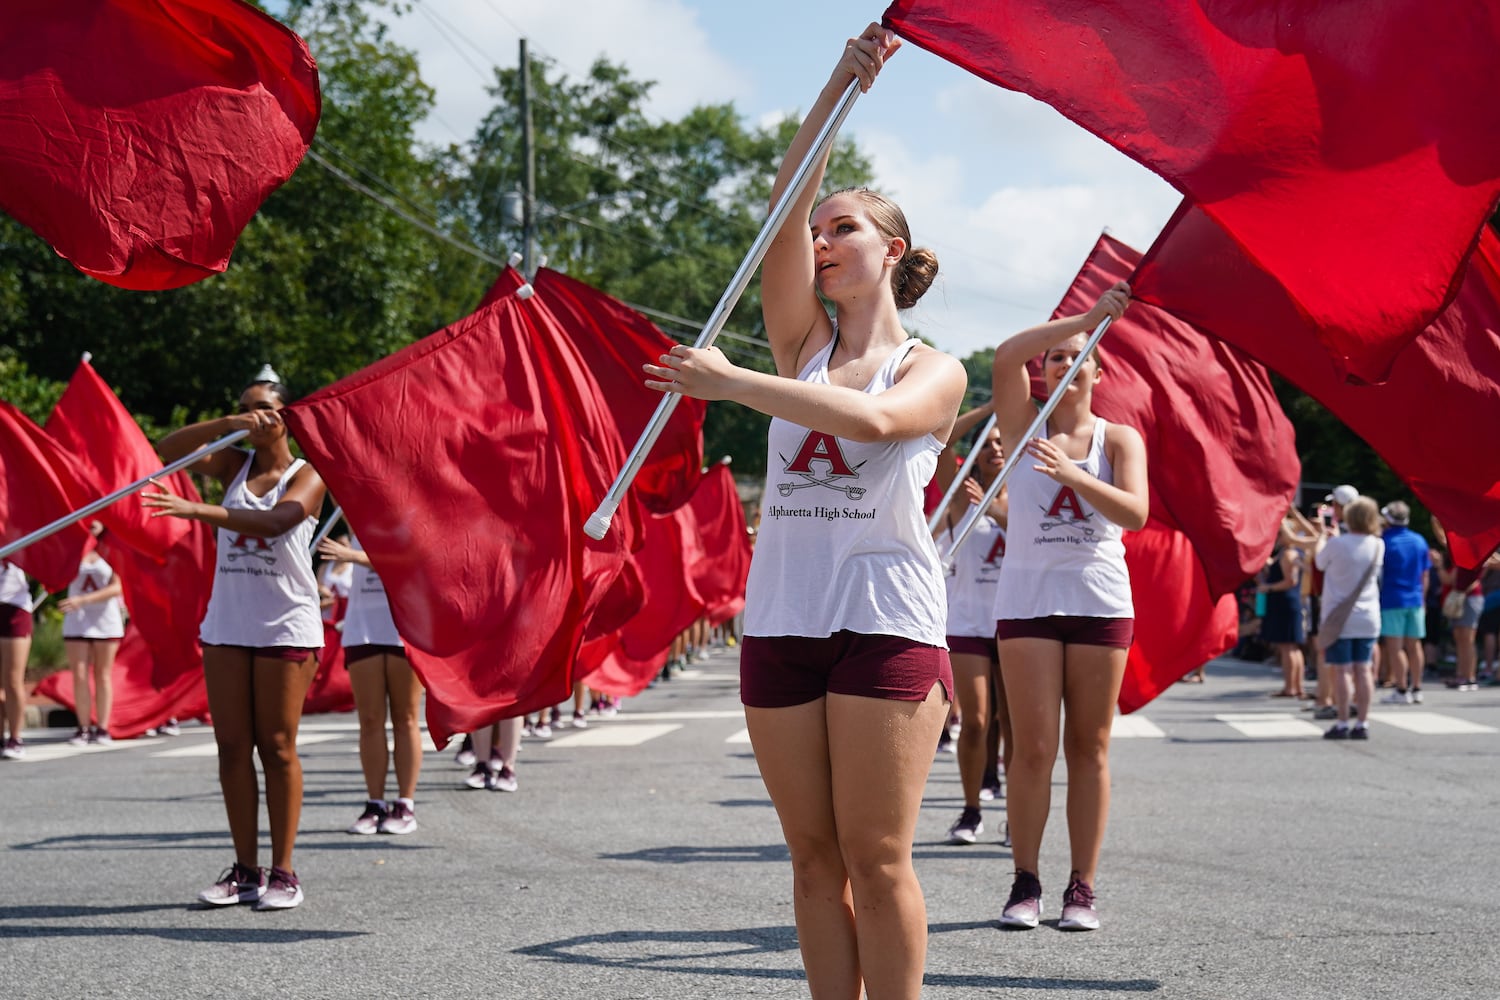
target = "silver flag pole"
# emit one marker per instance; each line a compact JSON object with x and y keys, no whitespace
{"x":598,"y":525}
{"x":327,"y":527}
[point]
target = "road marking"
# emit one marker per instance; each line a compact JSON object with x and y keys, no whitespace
{"x":738,"y":713}
{"x":1127,"y":727}
{"x":1269,"y":725}
{"x":613,"y":736}
{"x":743,"y":736}
{"x":212,"y":749}
{"x":1429,"y":723}
{"x":39,"y":752}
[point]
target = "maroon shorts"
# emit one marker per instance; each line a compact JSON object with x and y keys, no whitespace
{"x":785,"y":670}
{"x":1076,"y":630}
{"x":291,"y":654}
{"x":368,"y":650}
{"x":15,"y":623}
{"x":970,"y":645}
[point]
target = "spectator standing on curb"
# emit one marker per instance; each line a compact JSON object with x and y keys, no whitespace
{"x":1351,"y":614}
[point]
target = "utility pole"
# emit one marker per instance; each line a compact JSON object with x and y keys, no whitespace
{"x":528,"y":155}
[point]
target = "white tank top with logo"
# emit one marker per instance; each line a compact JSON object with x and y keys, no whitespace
{"x":265,"y":593}
{"x":101,"y":620}
{"x":14,"y":589}
{"x":974,"y":578}
{"x":1062,"y":556}
{"x":368,"y":620}
{"x":843,"y":542}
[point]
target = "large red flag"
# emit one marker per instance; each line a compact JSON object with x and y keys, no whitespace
{"x":671,"y":601}
{"x":614,"y":341}
{"x":1352,"y":150}
{"x":39,"y":484}
{"x":139,"y":703}
{"x":140,"y":136}
{"x":1221,"y":454}
{"x":1431,"y":421}
{"x":723,"y":544}
{"x":111,"y":451}
{"x":468,"y":464}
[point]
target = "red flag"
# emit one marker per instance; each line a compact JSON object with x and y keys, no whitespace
{"x":1179,"y":626}
{"x":330,"y":690}
{"x":1429,"y":421}
{"x":140,"y":136}
{"x":111,"y":451}
{"x":167,"y":597}
{"x":139,"y":704}
{"x":622,"y":676}
{"x":723,"y":544}
{"x":1221,"y":455}
{"x":1321,"y":137}
{"x":614,"y":341}
{"x":39,"y":484}
{"x":671,"y":601}
{"x":468,"y":464}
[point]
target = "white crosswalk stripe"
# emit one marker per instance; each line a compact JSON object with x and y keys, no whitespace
{"x":743,"y":736}
{"x":1127,"y":727}
{"x":1430,"y":723}
{"x":211,"y":749}
{"x":1269,"y":725}
{"x":614,"y":736}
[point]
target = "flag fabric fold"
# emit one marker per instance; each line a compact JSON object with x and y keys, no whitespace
{"x":1429,"y":420}
{"x":140,"y":136}
{"x":110,"y":451}
{"x":39,"y":483}
{"x":468,"y":464}
{"x":723,"y":542}
{"x":614,"y":341}
{"x":1301,"y":129}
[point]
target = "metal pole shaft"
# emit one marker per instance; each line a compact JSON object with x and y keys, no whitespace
{"x":598,"y":525}
{"x":1037,"y":426}
{"x":528,"y":166}
{"x":327,"y":528}
{"x":958,"y":480}
{"x":120,"y":494}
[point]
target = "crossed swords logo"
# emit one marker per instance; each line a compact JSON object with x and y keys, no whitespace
{"x":811,"y":479}
{"x":1076,"y":527}
{"x":264,"y":557}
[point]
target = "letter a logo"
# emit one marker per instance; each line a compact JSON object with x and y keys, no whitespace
{"x":819,"y":447}
{"x":1067,"y":500}
{"x":997,"y":551}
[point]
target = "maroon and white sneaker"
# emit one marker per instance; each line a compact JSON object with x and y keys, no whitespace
{"x":1024,"y":908}
{"x":401,"y":819}
{"x":283,"y":891}
{"x":238,"y":884}
{"x":1078,"y":913}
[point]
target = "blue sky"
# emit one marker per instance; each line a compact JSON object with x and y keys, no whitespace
{"x":1009,"y":194}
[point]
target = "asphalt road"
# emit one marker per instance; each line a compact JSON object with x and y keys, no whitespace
{"x":1246,"y":858}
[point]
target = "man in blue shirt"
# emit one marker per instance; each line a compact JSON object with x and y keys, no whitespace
{"x":1403,"y":614}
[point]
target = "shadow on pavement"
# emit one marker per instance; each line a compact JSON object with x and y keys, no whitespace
{"x":120,"y":841}
{"x":679,"y":854}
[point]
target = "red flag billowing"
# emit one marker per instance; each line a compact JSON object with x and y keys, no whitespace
{"x":140,"y":136}
{"x":111,"y":451}
{"x":468,"y":464}
{"x":39,"y":483}
{"x":1355,"y":183}
{"x":614,"y":341}
{"x":1427,"y":421}
{"x":723,"y":543}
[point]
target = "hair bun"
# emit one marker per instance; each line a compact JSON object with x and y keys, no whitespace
{"x":915,"y":274}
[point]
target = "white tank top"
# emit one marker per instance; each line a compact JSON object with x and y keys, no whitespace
{"x":339,"y":581}
{"x":368,"y":620}
{"x":14,"y":589}
{"x":843,"y":543}
{"x":974,"y":577}
{"x":1062,"y":556}
{"x":265,"y":593}
{"x":93,"y":621}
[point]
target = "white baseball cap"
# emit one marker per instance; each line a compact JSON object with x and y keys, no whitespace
{"x":1343,"y":495}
